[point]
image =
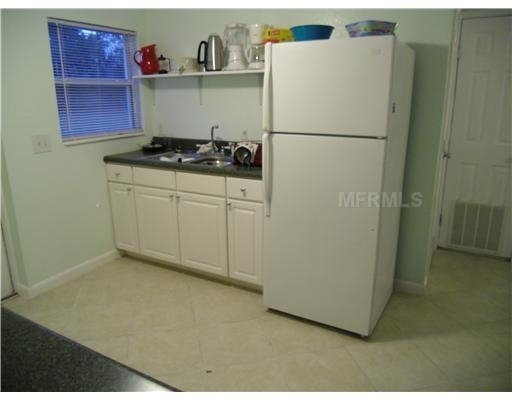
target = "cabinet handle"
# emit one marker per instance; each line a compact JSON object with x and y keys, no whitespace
{"x":128,"y":190}
{"x":171,"y":196}
{"x":117,"y":174}
{"x":228,"y":203}
{"x":243,"y":189}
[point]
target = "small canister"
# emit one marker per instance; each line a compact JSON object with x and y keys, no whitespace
{"x":164,"y":64}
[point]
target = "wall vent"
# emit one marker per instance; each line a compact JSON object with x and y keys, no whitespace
{"x":477,"y":226}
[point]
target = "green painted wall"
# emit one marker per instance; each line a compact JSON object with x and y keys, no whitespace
{"x":54,"y":195}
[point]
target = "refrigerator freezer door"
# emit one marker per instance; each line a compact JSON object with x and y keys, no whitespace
{"x":338,"y":86}
{"x":320,"y":250}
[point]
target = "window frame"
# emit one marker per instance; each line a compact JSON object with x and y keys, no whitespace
{"x":62,"y":83}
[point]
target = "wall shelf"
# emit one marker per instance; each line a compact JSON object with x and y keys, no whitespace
{"x":150,"y":79}
{"x":203,"y":73}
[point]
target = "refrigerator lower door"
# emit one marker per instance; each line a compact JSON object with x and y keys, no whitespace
{"x":320,"y":239}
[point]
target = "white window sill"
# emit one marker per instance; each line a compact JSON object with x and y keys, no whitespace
{"x":100,"y":138}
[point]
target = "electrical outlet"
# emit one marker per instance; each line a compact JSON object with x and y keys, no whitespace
{"x":41,"y":144}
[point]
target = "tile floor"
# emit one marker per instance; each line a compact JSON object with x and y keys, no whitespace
{"x":200,"y":335}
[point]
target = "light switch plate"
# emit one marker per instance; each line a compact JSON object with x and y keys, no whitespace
{"x":41,"y":144}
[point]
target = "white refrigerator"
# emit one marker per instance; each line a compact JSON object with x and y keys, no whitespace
{"x":335,"y":121}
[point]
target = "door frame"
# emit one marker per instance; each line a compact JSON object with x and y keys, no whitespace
{"x":447,"y":119}
{"x":9,"y":246}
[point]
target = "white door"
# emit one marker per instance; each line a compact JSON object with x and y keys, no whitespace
{"x":157,"y":221}
{"x":476,"y":201}
{"x":7,"y":286}
{"x":245,"y":233}
{"x":329,"y":86}
{"x":203,"y":236}
{"x":124,"y":216}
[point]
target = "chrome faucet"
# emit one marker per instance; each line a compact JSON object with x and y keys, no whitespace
{"x":214,"y":149}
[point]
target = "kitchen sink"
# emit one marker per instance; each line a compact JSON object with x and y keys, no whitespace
{"x":193,"y":158}
{"x":214,"y":161}
{"x":175,"y":157}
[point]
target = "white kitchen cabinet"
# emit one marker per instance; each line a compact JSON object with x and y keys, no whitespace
{"x":245,"y":235}
{"x":184,"y":218}
{"x":124,"y":217}
{"x":202,"y":229}
{"x":157,"y":220}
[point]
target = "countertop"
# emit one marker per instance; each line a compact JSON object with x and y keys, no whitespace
{"x":36,"y":359}
{"x":139,"y":157}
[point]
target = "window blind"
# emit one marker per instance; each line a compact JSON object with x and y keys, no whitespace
{"x":92,"y":68}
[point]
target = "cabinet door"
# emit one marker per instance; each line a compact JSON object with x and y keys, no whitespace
{"x":158,"y":223}
{"x":202,"y":227}
{"x":245,"y":231}
{"x":123,"y":215}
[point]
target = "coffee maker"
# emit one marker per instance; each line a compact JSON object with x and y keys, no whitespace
{"x":256,"y":50}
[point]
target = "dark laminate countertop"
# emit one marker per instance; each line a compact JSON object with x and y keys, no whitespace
{"x":35,"y":359}
{"x":141,"y":158}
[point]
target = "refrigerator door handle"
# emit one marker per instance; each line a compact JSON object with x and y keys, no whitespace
{"x":266,"y":88}
{"x":267,"y":173}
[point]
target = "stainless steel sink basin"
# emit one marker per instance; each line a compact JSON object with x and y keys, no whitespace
{"x":214,"y":161}
{"x":175,"y":157}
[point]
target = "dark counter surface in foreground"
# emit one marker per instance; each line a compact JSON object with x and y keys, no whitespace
{"x":36,"y":359}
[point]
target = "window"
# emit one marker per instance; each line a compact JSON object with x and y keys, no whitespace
{"x":92,"y":67}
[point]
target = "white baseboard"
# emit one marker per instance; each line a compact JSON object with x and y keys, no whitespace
{"x":409,"y":287}
{"x":68,"y":275}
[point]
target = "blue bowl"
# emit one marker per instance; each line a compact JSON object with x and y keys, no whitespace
{"x":311,"y":32}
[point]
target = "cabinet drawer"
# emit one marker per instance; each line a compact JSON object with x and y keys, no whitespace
{"x":244,"y":189}
{"x":205,"y":184}
{"x":154,"y":177}
{"x":119,"y":173}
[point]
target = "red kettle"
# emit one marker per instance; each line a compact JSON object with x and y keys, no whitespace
{"x":146,"y":59}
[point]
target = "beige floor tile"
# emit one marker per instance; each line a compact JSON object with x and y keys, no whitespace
{"x":114,"y":347}
{"x":418,"y":315}
{"x":234,"y":343}
{"x":469,"y":307}
{"x":461,"y":355}
{"x":189,"y":379}
{"x":331,"y":370}
{"x":123,"y":266}
{"x":263,"y":376}
{"x":201,"y":335}
{"x":386,"y":330}
{"x":61,"y":297}
{"x":491,"y":383}
{"x":106,"y":291}
{"x":497,"y":335}
{"x":161,"y":352}
{"x":399,"y":366}
{"x":448,"y":279}
{"x":99,"y":321}
{"x":204,"y":286}
{"x":227,"y":305}
{"x":290,"y":335}
{"x":171,"y":289}
{"x":161,"y":314}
